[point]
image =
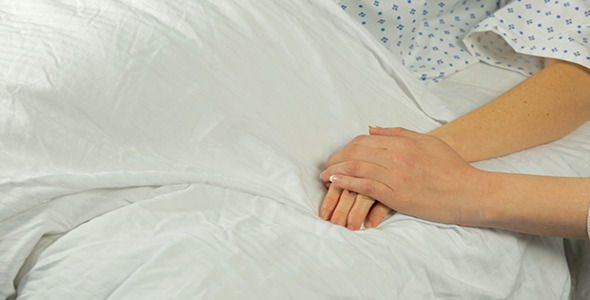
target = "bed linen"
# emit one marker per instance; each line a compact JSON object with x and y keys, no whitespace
{"x":172,"y":150}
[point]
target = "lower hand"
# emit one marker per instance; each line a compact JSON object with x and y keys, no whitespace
{"x":346,"y":208}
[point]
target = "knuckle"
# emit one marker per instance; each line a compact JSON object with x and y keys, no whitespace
{"x":349,"y":151}
{"x":368,"y":188}
{"x":352,"y":167}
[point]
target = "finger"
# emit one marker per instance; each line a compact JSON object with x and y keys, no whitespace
{"x":359,"y":211}
{"x":375,"y":148}
{"x":330,"y":201}
{"x":373,"y":141}
{"x":352,"y":152}
{"x":396,"y":131}
{"x":376,"y":215}
{"x":357,"y":169}
{"x":364,"y":186}
{"x":345,"y":203}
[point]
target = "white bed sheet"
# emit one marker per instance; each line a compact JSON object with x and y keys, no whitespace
{"x":214,"y":118}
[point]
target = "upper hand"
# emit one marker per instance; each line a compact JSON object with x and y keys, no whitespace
{"x":411,"y":173}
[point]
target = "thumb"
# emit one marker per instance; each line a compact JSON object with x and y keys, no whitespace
{"x":396,"y":131}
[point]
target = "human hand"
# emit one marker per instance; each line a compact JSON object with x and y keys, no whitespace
{"x":346,"y":208}
{"x":411,"y":173}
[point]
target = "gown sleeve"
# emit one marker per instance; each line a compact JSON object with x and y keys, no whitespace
{"x":522,"y":32}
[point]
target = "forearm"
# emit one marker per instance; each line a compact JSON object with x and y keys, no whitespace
{"x":553,"y":206}
{"x":543,"y":108}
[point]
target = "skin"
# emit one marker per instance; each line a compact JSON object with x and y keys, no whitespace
{"x":428,"y":176}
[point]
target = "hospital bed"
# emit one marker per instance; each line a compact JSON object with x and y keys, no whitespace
{"x":172,"y":149}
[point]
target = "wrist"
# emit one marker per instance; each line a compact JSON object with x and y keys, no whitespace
{"x":481,"y":191}
{"x":453,"y":141}
{"x":554,"y":206}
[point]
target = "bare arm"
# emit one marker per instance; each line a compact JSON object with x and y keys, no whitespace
{"x":422,"y":176}
{"x":553,"y":206}
{"x":543,"y":108}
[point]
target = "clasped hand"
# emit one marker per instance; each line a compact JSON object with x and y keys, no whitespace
{"x":394,"y":169}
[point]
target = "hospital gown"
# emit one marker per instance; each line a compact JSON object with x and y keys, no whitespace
{"x":437,"y":38}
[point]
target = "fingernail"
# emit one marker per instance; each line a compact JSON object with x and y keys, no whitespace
{"x":322,"y":174}
{"x":324,"y":214}
{"x":368,"y":224}
{"x":334,"y":178}
{"x":351,"y":227}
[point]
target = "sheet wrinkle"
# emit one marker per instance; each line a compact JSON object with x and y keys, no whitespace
{"x":122,"y":284}
{"x":260,"y":231}
{"x":437,"y":110}
{"x":194,"y":111}
{"x":182,"y":178}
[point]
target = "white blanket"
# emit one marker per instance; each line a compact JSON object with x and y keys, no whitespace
{"x":214,"y":118}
